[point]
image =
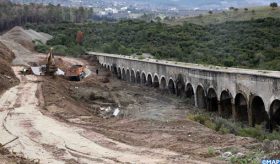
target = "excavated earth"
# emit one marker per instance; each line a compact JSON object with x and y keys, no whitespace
{"x":53,"y":120}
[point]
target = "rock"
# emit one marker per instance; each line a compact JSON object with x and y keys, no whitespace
{"x":240,"y":155}
{"x":227,"y":155}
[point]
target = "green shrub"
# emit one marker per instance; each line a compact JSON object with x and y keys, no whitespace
{"x":139,"y":53}
{"x":42,"y":48}
{"x":225,"y":126}
{"x":141,"y":57}
{"x":275,"y":135}
{"x":253,"y":157}
{"x":254,"y":132}
{"x":76,"y":50}
{"x":60,"y":50}
{"x":211,"y":152}
{"x":202,"y":119}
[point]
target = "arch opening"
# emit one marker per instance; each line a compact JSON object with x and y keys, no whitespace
{"x":212,"y":100}
{"x":123,"y":74}
{"x":115,"y":70}
{"x":127,"y":75}
{"x":138,"y":77}
{"x":156,"y":82}
{"x":200,"y":97}
{"x":226,"y":106}
{"x":119,"y":73}
{"x":163,"y":83}
{"x":132,"y":76}
{"x":274,"y":113}
{"x":180,"y":86}
{"x":143,"y":79}
{"x":171,"y":87}
{"x":190,"y":94}
{"x":259,"y":115}
{"x":241,"y":108}
{"x":149,"y":80}
{"x":108,"y":67}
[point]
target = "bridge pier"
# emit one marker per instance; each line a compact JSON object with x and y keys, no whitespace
{"x":250,"y":116}
{"x":220,"y":108}
{"x":234,"y":114}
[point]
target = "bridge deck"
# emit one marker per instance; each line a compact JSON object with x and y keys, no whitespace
{"x":266,"y":73}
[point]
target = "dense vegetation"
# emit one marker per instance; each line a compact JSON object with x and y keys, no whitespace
{"x":16,"y":14}
{"x":234,"y":14}
{"x":250,"y":44}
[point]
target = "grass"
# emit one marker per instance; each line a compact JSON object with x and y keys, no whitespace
{"x":240,"y":15}
{"x":141,"y":57}
{"x":250,"y":158}
{"x":211,"y":152}
{"x":225,"y":126}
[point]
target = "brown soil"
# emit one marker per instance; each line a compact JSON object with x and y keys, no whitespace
{"x":25,"y":37}
{"x":6,"y":157}
{"x":7,"y":76}
{"x":148,"y":117}
{"x":8,"y":80}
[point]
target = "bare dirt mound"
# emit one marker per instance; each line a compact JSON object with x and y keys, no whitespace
{"x":25,"y":37}
{"x":7,"y":76}
{"x":7,"y":157}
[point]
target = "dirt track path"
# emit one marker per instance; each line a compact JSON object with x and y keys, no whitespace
{"x":44,"y":138}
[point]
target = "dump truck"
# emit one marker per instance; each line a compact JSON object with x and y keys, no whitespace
{"x":76,"y":72}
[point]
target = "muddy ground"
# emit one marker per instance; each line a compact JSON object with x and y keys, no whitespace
{"x":148,"y":118}
{"x":54,"y":120}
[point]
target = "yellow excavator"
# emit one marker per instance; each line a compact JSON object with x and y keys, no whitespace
{"x":51,"y":68}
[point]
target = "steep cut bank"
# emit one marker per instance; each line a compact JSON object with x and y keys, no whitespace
{"x":7,"y":76}
{"x":26,"y":37}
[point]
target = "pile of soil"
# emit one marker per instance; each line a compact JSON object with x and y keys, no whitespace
{"x":7,"y":157}
{"x":7,"y":76}
{"x":26,"y":37}
{"x":59,"y":99}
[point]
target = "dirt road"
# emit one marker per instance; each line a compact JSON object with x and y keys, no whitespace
{"x":50,"y":141}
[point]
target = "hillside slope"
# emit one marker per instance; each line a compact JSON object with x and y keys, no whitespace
{"x":26,"y":37}
{"x":246,"y":44}
{"x":228,"y":16}
{"x":7,"y":76}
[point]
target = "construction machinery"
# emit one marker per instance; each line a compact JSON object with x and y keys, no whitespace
{"x":51,"y":68}
{"x":76,"y":72}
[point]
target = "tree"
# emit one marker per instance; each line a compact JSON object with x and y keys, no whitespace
{"x":79,"y":37}
{"x":158,"y":19}
{"x":273,"y":5}
{"x":210,"y":12}
{"x":245,"y":9}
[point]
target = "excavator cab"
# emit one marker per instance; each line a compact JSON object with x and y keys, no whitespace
{"x":51,"y":68}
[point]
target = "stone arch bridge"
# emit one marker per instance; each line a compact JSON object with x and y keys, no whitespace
{"x":250,"y":96}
